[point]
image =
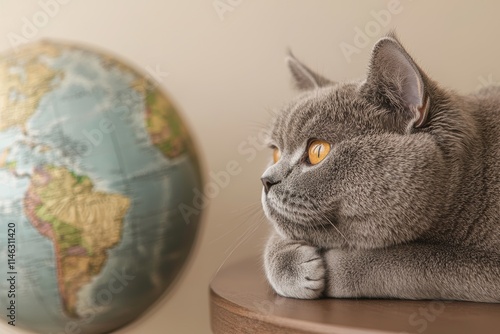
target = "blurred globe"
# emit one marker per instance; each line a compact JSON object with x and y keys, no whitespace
{"x":97,"y":208}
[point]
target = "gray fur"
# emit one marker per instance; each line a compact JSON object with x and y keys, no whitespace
{"x":406,"y":204}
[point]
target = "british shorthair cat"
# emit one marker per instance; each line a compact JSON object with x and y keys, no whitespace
{"x":389,"y":187}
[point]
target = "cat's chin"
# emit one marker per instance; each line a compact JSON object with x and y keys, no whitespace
{"x":321,"y":236}
{"x":321,"y":232}
{"x":280,"y":213}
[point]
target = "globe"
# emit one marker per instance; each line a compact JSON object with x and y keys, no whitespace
{"x":98,"y":180}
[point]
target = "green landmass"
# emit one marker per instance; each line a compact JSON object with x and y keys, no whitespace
{"x":67,"y":235}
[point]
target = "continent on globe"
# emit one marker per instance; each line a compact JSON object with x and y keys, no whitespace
{"x":24,"y":80}
{"x":164,"y":125}
{"x":82,"y":224}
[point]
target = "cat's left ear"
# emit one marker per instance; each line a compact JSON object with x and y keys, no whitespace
{"x":396,"y":81}
{"x":303,"y":77}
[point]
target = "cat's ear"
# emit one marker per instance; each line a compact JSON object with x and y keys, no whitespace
{"x":396,"y":81}
{"x":303,"y":77}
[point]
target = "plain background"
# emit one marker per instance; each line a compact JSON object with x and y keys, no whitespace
{"x":226,"y":73}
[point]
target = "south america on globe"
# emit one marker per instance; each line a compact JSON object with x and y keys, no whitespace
{"x":96,"y":172}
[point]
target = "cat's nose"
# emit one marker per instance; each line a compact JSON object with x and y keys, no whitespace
{"x":268,"y":183}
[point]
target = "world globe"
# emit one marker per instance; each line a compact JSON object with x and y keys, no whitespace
{"x":98,"y":176}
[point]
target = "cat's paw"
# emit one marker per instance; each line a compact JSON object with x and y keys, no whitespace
{"x":297,"y":271}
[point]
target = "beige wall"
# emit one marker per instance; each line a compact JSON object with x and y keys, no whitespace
{"x":227,"y":74}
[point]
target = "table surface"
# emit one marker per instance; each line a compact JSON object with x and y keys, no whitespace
{"x":241,"y":301}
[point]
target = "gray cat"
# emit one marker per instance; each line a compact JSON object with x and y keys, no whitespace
{"x":387,"y":188}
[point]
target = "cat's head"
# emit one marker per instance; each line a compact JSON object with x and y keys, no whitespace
{"x":362,"y":164}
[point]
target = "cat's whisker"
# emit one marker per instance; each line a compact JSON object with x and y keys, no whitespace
{"x":324,"y":228}
{"x":259,"y":126}
{"x":272,"y":112}
{"x":252,"y":214}
{"x":245,"y":234}
{"x":249,"y":207}
{"x":244,"y":238}
{"x":250,"y":211}
{"x":332,"y":224}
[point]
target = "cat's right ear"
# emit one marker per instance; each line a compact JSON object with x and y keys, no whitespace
{"x":303,"y":77}
{"x":396,"y":81}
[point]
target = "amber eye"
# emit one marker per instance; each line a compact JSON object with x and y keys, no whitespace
{"x":317,"y":151}
{"x":276,"y":154}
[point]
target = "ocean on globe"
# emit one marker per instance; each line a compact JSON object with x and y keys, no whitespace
{"x":97,"y":190}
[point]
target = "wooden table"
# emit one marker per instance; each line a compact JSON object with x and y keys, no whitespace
{"x":242,"y":302}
